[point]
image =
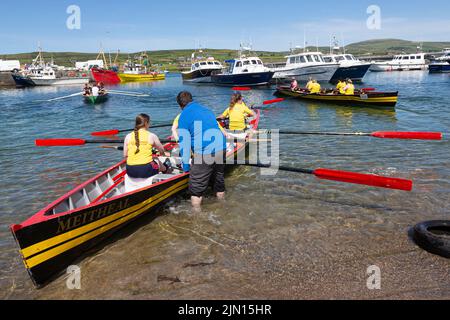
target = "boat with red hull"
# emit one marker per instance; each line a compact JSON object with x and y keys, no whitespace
{"x":108,"y":77}
{"x":64,"y":230}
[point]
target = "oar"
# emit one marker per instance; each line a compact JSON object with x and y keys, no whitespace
{"x":349,"y":177}
{"x":78,"y":142}
{"x":379,"y":134}
{"x":114,"y":132}
{"x":130,"y":94}
{"x":65,"y":97}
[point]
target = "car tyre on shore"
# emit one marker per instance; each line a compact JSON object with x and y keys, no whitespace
{"x":434,"y":237}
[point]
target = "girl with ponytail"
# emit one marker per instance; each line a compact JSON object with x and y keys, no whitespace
{"x":138,"y":150}
{"x":237,"y":113}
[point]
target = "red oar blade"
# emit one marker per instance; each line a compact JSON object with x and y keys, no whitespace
{"x":408,"y":135}
{"x":273,"y":101}
{"x":60,"y":142}
{"x":364,"y":179}
{"x":368,"y":89}
{"x":241,"y":89}
{"x":105,"y":133}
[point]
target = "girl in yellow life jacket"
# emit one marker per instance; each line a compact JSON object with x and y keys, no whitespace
{"x":138,"y":150}
{"x":340,"y":86}
{"x":237,"y":112}
{"x":349,"y":89}
{"x":315,"y":87}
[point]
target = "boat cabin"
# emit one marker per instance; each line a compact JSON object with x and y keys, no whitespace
{"x":338,"y":58}
{"x":306,"y":58}
{"x":206,"y":65}
{"x":244,"y":65}
{"x":410,"y":58}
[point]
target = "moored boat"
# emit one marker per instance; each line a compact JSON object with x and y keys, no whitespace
{"x":108,"y":77}
{"x":61,"y":232}
{"x":201,"y":69}
{"x":349,"y":67}
{"x":303,"y":66}
{"x":22,"y":81}
{"x":360,"y":98}
{"x":403,"y":62}
{"x":243,"y":71}
{"x":439,"y":67}
{"x":139,"y":71}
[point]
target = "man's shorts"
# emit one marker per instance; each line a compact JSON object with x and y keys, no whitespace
{"x":204,"y":170}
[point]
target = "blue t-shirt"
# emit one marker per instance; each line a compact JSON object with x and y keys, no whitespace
{"x":199,"y":132}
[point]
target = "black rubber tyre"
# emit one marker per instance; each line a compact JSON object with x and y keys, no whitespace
{"x":434,"y":237}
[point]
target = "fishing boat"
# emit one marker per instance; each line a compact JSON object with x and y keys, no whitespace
{"x":201,"y":68}
{"x":360,"y":98}
{"x":108,"y":77}
{"x":47,"y":77}
{"x":243,"y":71}
{"x":141,"y":77}
{"x":61,"y":232}
{"x":134,"y":71}
{"x":303,"y":66}
{"x":101,"y":98}
{"x":402,"y":62}
{"x":104,"y":74}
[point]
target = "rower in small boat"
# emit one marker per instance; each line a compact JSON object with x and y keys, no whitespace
{"x":138,"y":151}
{"x":340,"y":86}
{"x":237,"y":112}
{"x":349,"y":89}
{"x":309,"y":84}
{"x":95,"y":91}
{"x":175,"y":127}
{"x":294,"y":84}
{"x":87,"y":90}
{"x":315,"y":87}
{"x":101,"y":88}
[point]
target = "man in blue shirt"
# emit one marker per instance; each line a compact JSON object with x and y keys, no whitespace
{"x":202,"y":140}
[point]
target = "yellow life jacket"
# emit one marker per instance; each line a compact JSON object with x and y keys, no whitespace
{"x":350,"y":90}
{"x":308,"y":85}
{"x":340,"y":86}
{"x":315,"y":88}
{"x":145,"y":155}
{"x":237,"y":116}
{"x":175,"y":122}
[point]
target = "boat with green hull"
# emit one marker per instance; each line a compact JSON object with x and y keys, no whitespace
{"x":96,"y":99}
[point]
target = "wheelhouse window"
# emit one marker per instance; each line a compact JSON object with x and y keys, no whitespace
{"x":310,"y":59}
{"x":197,"y":65}
{"x":254,"y":62}
{"x":210,"y":63}
{"x":259,"y":62}
{"x":328,"y":59}
{"x":292,"y":60}
{"x":203,"y":63}
{"x":216,"y":63}
{"x":349,"y":57}
{"x":246,"y":63}
{"x":238,"y":64}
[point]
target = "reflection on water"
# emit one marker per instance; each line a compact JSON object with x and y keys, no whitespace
{"x":288,"y":236}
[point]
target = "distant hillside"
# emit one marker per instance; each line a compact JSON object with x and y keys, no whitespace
{"x":394,"y":46}
{"x":175,"y":60}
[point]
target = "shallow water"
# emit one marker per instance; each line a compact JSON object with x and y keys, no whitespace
{"x":288,"y":236}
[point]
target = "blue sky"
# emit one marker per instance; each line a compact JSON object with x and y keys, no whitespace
{"x":136,"y":25}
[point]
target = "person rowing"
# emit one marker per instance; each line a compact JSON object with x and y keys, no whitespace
{"x":340,"y":86}
{"x":315,"y":87}
{"x":349,"y":89}
{"x":175,"y":127}
{"x":201,"y":137}
{"x":87,"y":90}
{"x":309,"y":84}
{"x":237,"y":112}
{"x":138,"y":151}
{"x":294,"y":84}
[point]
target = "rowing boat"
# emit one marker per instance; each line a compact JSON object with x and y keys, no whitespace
{"x":54,"y":237}
{"x":144,"y":77}
{"x":96,"y":99}
{"x":361,"y":98}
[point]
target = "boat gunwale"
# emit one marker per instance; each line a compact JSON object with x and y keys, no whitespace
{"x":41,"y":216}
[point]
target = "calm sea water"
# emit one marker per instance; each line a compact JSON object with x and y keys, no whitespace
{"x":288,"y":236}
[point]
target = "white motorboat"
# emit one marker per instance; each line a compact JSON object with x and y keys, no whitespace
{"x":349,"y":67}
{"x":402,"y":62}
{"x":201,"y":68}
{"x":303,"y":66}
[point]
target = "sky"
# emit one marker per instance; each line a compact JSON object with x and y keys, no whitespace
{"x":137,"y":25}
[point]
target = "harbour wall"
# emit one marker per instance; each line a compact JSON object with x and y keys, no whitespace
{"x":6,"y":79}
